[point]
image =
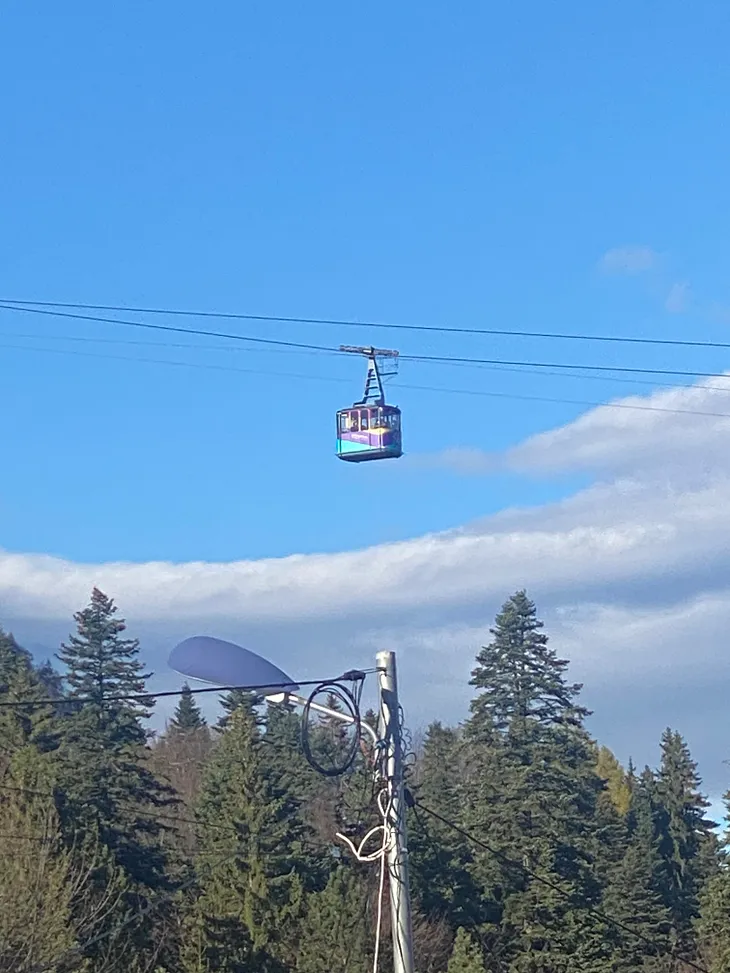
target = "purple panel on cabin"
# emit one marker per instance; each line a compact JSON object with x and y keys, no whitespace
{"x":371,"y":439}
{"x":363,"y":438}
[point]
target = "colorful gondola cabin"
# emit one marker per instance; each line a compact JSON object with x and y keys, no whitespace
{"x":370,"y":429}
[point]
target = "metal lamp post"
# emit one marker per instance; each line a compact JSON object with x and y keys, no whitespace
{"x":218,"y":662}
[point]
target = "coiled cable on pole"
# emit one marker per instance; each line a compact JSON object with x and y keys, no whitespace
{"x":351,"y":708}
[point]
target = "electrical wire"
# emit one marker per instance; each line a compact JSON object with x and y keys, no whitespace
{"x":529,"y":370}
{"x":148,"y":812}
{"x":519,"y":369}
{"x":180,"y":364}
{"x":25,"y":790}
{"x":513,"y":396}
{"x":560,"y":401}
{"x":379,"y":913}
{"x":27,"y":837}
{"x":351,"y":703}
{"x":436,"y":359}
{"x":629,"y":370}
{"x":349,"y":323}
{"x":172,"y":328}
{"x":187,"y":345}
{"x":142,"y":697}
{"x":598,"y":913}
{"x":380,"y":854}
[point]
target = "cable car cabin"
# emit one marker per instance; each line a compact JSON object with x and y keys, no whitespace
{"x":367,"y":432}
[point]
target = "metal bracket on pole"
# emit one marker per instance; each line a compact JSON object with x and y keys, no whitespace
{"x":285,"y":699}
{"x":400,"y":899}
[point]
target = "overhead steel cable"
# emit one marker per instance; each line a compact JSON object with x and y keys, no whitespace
{"x":173,"y":328}
{"x":401,"y":385}
{"x":514,"y":396}
{"x":628,"y":369}
{"x":350,"y":323}
{"x":332,"y":350}
{"x":560,"y":401}
{"x":518,"y":369}
{"x":433,"y":359}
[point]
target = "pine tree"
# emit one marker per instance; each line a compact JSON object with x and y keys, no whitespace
{"x":522,"y":681}
{"x":688,"y":845}
{"x":252,"y":875}
{"x":634,"y":896}
{"x":178,"y":757}
{"x":282,"y":738}
{"x":440,"y":857}
{"x":618,"y":785}
{"x":286,"y":763}
{"x":105,"y":742}
{"x":239,"y":698}
{"x":108,"y":788}
{"x":336,"y":932}
{"x":533,"y":789}
{"x":466,"y":956}
{"x":29,"y":735}
{"x":187,"y":715}
{"x":713,"y":925}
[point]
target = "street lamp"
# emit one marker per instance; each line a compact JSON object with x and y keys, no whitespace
{"x":224,"y":663}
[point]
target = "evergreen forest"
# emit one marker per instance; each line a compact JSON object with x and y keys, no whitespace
{"x":212,"y":849}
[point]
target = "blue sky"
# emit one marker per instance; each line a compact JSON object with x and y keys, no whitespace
{"x":418,"y":163}
{"x":422,"y":165}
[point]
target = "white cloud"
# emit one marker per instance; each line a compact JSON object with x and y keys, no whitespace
{"x":632,"y":576}
{"x":628,"y":260}
{"x":673,"y":435}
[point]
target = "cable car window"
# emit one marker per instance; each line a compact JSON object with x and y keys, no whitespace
{"x":364,"y":419}
{"x":354,"y":425}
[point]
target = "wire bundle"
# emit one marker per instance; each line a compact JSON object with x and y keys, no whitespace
{"x":350,"y":699}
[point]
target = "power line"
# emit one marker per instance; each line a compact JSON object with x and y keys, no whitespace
{"x":328,"y":349}
{"x":148,"y":812}
{"x":519,"y":368}
{"x":181,"y":364}
{"x":25,"y":790}
{"x":631,"y":370}
{"x":531,"y":370}
{"x":172,"y":328}
{"x":548,"y":883}
{"x":190,"y":346}
{"x":143,"y":697}
{"x":557,"y":401}
{"x":349,"y":323}
{"x":29,"y":837}
{"x":422,"y":388}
